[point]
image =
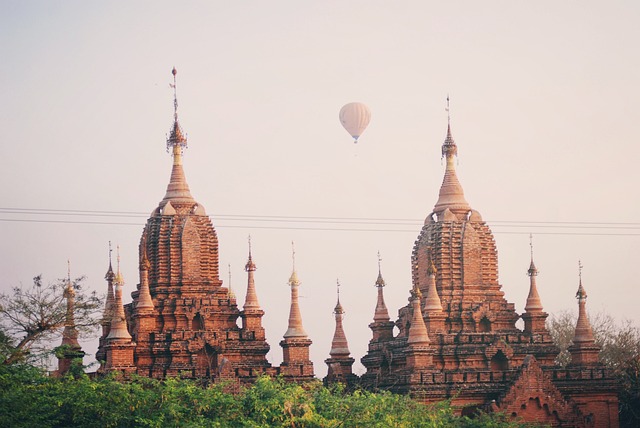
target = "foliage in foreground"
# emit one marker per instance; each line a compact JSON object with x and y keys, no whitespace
{"x":29,"y":398}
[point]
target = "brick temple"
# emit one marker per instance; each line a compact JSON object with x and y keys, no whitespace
{"x":457,"y":338}
{"x":182,"y":321}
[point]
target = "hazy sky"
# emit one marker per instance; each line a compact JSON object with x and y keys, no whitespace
{"x":544,"y":109}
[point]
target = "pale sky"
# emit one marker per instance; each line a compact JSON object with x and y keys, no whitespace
{"x":544,"y":109}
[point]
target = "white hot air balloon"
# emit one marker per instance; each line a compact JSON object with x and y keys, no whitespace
{"x":355,"y":117}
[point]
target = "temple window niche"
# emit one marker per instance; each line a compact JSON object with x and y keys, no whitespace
{"x":484,"y":326}
{"x":198,"y":322}
{"x":499,"y":362}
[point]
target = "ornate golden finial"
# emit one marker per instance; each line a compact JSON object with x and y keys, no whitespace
{"x":119,"y":279}
{"x":449,"y":147}
{"x":293,"y":279}
{"x":581,"y":294}
{"x":250,"y":266}
{"x":176,"y":140}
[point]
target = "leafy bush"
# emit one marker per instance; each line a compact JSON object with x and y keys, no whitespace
{"x":28,"y":397}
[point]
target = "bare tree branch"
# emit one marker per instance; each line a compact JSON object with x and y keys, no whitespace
{"x":31,"y":316}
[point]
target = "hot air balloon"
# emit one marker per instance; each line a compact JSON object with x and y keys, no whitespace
{"x":355,"y":117}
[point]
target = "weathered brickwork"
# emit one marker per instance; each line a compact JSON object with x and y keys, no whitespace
{"x":182,"y":321}
{"x":476,"y":355}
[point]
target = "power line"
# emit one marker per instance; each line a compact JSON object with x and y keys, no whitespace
{"x":225,"y":226}
{"x":322,"y":219}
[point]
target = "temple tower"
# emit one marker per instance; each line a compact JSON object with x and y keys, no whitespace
{"x":340,"y":362}
{"x":457,"y":337}
{"x":296,"y":364}
{"x":119,"y":346}
{"x":434,"y":316}
{"x":70,"y":351}
{"x":107,"y":314}
{"x":534,"y":317}
{"x":418,"y":352}
{"x":182,"y":320}
{"x":583,"y":350}
{"x":252,"y":313}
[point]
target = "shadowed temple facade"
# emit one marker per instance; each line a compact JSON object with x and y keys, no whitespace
{"x":456,"y":338}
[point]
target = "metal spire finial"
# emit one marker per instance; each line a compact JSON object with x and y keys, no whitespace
{"x":338,"y":288}
{"x":293,"y":255}
{"x":175,"y":94}
{"x":110,"y":251}
{"x":232,"y":295}
{"x":580,"y":270}
{"x":448,"y":111}
{"x":176,"y":141}
{"x":531,"y":245}
{"x":69,"y":271}
{"x":380,"y":281}
{"x":533,"y":271}
{"x":293,"y":279}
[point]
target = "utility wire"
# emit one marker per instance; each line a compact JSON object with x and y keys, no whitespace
{"x":320,"y":219}
{"x":325,"y":220}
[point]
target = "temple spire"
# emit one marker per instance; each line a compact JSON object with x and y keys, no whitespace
{"x":583,"y":333}
{"x":584,"y":350}
{"x":70,"y":334}
{"x":418,"y":334}
{"x":451,"y":195}
{"x":118,"y":322}
{"x":251,"y":300}
{"x":178,"y":189}
{"x":381,"y":312}
{"x":339,"y":345}
{"x":232,"y":294}
{"x":432,"y":303}
{"x":295,"y":328}
{"x":533,"y":300}
{"x":70,"y":350}
{"x":144,"y":297}
{"x":110,"y":301}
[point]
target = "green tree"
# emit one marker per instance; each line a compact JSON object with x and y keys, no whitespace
{"x":31,"y":316}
